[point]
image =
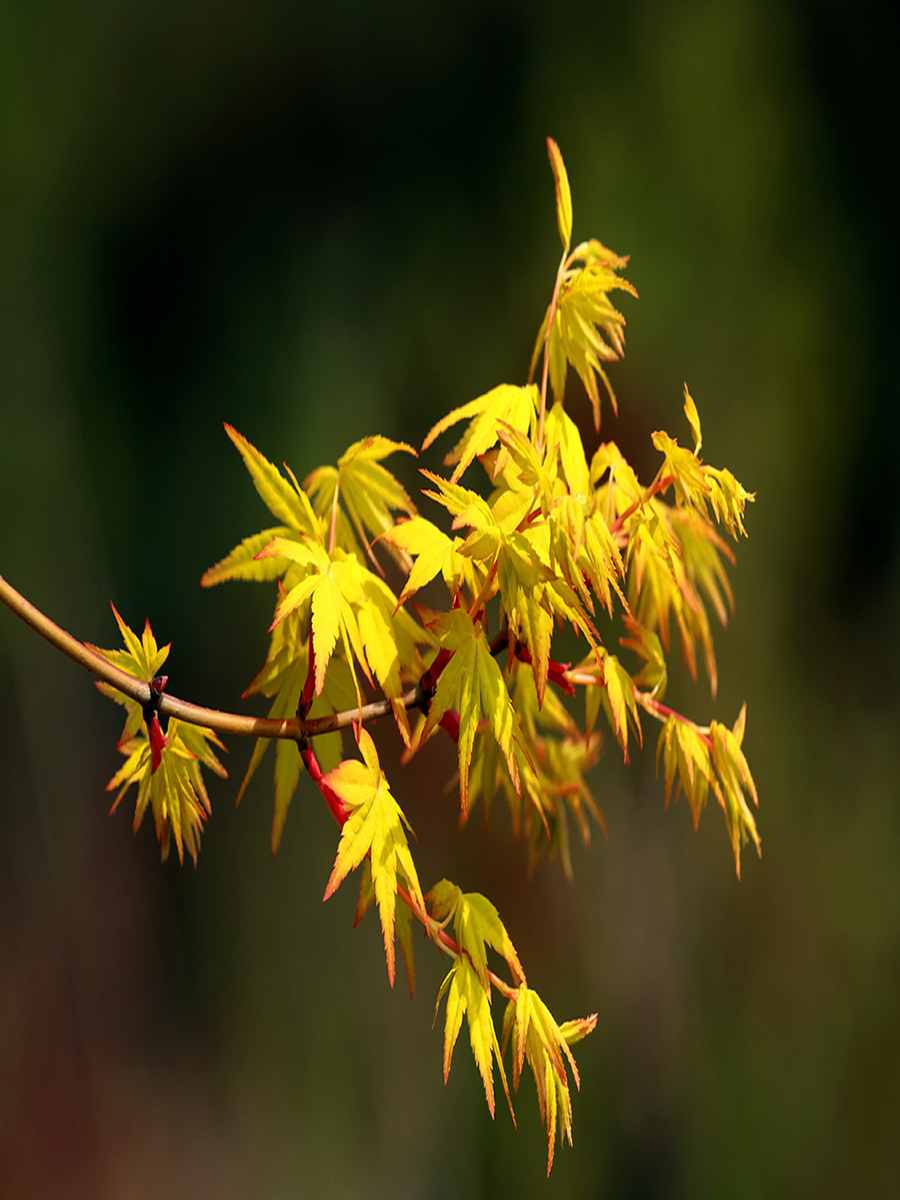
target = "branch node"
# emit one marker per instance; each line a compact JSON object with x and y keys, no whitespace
{"x":157,"y":687}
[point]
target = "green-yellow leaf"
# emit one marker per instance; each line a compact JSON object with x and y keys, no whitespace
{"x":691,"y":485}
{"x":334,"y":585}
{"x":561,"y":430}
{"x":466,"y":997}
{"x":728,"y":498}
{"x":734,"y":786}
{"x":472,"y":683}
{"x":686,"y":751}
{"x":517,"y":406}
{"x":285,"y":500}
{"x":142,"y":658}
{"x":175,"y":791}
{"x":477,"y":925}
{"x":563,"y":194}
{"x":369,"y":492}
{"x":586,"y":330}
{"x":243,"y":561}
{"x":433,"y":552}
{"x":690,"y":409}
{"x":618,"y":699}
{"x":544,"y":1044}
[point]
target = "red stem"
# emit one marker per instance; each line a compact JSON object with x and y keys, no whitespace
{"x":659,"y":485}
{"x":663,"y":712}
{"x":437,"y":933}
{"x":336,"y":806}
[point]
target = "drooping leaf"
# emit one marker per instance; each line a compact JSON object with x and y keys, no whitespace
{"x":553,"y":786}
{"x":584,"y":553}
{"x":174,"y":789}
{"x":467,"y":997}
{"x":560,"y":430}
{"x":653,"y":675}
{"x":390,"y":638}
{"x":373,"y":828}
{"x":537,"y":1039}
{"x":728,"y":498}
{"x":685,"y":751}
{"x":734,"y":785}
{"x":675,"y":559}
{"x":617,"y":697}
{"x":696,"y":485}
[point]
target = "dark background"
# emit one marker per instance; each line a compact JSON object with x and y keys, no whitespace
{"x":322,"y":226}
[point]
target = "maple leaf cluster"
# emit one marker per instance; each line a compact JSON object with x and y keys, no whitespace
{"x":545,"y":539}
{"x":165,"y":767}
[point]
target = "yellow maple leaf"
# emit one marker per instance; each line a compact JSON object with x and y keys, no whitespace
{"x":374,"y":828}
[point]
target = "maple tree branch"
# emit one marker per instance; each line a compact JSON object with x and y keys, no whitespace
{"x":170,"y":706}
{"x":66,"y":644}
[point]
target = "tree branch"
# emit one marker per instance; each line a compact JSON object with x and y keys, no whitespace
{"x":237,"y":724}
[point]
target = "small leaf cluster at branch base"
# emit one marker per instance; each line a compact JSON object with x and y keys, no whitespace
{"x":547,"y":538}
{"x":165,"y":768}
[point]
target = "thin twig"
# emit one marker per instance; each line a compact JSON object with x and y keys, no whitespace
{"x":439,"y":935}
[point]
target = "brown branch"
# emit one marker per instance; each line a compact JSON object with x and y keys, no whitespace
{"x":237,"y":724}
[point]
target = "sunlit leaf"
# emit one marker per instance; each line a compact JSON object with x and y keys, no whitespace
{"x":690,"y":409}
{"x":374,"y":828}
{"x":472,"y":684}
{"x":433,"y":552}
{"x":734,"y":786}
{"x":366,"y":489}
{"x":467,"y":997}
{"x":536,"y":1038}
{"x":477,"y":926}
{"x":586,"y":329}
{"x":516,"y":406}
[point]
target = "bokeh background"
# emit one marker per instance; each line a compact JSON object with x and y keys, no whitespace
{"x":322,"y":222}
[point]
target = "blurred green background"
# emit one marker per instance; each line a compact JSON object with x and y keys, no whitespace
{"x":319,"y":225}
